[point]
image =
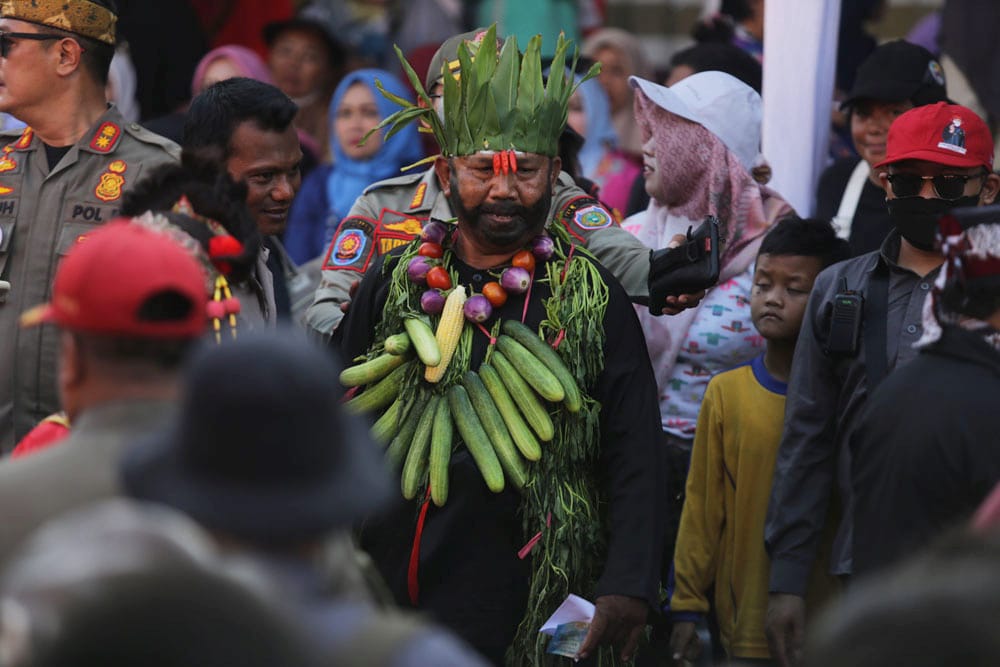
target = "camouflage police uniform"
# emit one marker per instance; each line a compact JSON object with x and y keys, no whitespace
{"x":43,"y":213}
{"x":391,"y":213}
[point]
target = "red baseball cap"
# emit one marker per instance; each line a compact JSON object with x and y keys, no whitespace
{"x":942,"y":133}
{"x":107,"y":282}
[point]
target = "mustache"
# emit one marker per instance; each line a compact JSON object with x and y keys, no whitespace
{"x":505,"y":209}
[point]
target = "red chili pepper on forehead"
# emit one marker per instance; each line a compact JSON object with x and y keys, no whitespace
{"x":513,"y":162}
{"x":496,"y":163}
{"x":505,"y":161}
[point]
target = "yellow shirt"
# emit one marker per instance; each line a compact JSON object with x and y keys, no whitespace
{"x":721,"y":537}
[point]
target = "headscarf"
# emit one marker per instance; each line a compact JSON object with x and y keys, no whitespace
{"x":636,"y":64}
{"x":349,"y":176}
{"x":711,"y":180}
{"x":970,"y":255}
{"x":246,"y":61}
{"x":601,"y":133}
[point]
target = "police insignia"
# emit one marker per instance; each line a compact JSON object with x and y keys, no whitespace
{"x":352,"y":246}
{"x":5,"y":190}
{"x":7,"y":163}
{"x":110,"y":186}
{"x":25,"y":139}
{"x":106,"y":138}
{"x":396,"y":229}
{"x":592,"y":217}
{"x":418,"y":196}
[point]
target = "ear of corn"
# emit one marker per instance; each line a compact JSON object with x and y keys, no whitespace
{"x":449,"y":330}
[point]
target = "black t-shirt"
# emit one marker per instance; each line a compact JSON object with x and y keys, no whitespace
{"x":55,"y":153}
{"x":871,"y":219}
{"x":470,"y":576}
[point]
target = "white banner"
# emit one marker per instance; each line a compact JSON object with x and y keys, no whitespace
{"x":800,"y":59}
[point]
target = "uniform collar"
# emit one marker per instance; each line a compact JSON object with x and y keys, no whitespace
{"x":103,"y":138}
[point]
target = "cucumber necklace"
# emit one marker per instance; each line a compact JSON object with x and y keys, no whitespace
{"x":550,"y":455}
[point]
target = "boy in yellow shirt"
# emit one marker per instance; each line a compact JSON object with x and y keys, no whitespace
{"x":720,"y":543}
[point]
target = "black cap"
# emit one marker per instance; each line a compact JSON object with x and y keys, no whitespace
{"x":898,"y":71}
{"x":311,"y":18}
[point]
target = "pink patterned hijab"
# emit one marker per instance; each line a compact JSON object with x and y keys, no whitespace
{"x":700,"y":177}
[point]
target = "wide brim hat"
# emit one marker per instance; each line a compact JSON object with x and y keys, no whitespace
{"x":261,"y":450}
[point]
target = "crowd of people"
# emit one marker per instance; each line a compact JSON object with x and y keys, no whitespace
{"x":321,"y":353}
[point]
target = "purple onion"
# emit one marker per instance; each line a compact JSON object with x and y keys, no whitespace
{"x":477,"y":308}
{"x":432,"y":302}
{"x":515,"y":280}
{"x":542,"y":248}
{"x":417,"y":269}
{"x":434,"y":232}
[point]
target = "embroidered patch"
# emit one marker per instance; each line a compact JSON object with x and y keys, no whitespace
{"x":953,"y":137}
{"x":418,"y":196}
{"x":585,"y":214}
{"x":4,"y":190}
{"x":396,"y":229}
{"x":106,"y":137}
{"x":25,"y":139}
{"x":935,"y":72}
{"x":352,"y":247}
{"x":7,"y":163}
{"x":110,"y":186}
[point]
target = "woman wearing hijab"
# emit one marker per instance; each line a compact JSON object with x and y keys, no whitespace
{"x":620,"y":54}
{"x":600,"y":159}
{"x":702,"y":139}
{"x":329,"y":192}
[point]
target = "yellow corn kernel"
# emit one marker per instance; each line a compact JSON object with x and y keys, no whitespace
{"x":449,"y":330}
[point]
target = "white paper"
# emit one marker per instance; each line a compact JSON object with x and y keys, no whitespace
{"x":573,"y":609}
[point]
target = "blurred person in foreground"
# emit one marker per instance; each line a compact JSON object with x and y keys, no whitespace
{"x":262,"y":457}
{"x":938,"y":608}
{"x":127,"y":302}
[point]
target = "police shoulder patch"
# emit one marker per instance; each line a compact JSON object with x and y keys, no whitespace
{"x":396,"y":229}
{"x":584,"y":215}
{"x":352,"y":246}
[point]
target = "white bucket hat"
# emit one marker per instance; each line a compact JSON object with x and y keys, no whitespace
{"x":722,"y":104}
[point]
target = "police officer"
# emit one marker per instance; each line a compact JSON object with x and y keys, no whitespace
{"x":391,"y":212}
{"x":62,"y":175}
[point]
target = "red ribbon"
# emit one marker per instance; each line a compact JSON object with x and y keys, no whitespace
{"x":412,"y":580}
{"x":527,"y":548}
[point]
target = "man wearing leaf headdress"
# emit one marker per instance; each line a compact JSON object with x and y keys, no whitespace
{"x":390,"y":213}
{"x":491,"y":561}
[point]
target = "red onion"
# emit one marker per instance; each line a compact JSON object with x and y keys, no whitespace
{"x":542,"y":247}
{"x":515,"y":280}
{"x":434,"y":232}
{"x":477,"y":308}
{"x":417,"y":269}
{"x":432,"y":302}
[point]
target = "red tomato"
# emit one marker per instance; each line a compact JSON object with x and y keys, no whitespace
{"x":438,"y":278}
{"x":495,"y":294}
{"x":525,"y":260}
{"x":428,"y":249}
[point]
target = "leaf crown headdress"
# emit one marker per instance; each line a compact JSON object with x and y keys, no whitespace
{"x":497,"y":101}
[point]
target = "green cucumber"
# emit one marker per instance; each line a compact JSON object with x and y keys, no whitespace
{"x":423,"y":340}
{"x":519,"y":430}
{"x":548,"y":356}
{"x":415,"y":467}
{"x":475,"y":438}
{"x":533,"y":409}
{"x":370,"y":371}
{"x":510,"y":459}
{"x":531,"y":369}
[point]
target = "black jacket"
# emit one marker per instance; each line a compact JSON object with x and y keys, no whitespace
{"x":470,"y":577}
{"x":927,"y":450}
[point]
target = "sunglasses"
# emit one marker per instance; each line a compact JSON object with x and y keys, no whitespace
{"x":7,"y":39}
{"x":947,"y":186}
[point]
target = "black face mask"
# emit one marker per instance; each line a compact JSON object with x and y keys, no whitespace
{"x":916,"y":218}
